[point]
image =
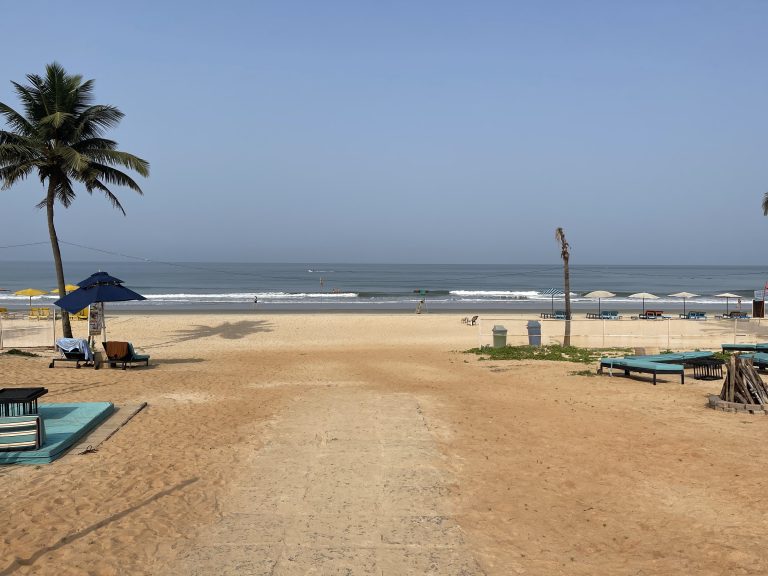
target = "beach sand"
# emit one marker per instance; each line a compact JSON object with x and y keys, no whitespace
{"x":317,"y":443}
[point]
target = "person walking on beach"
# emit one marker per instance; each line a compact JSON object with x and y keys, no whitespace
{"x":419,"y":306}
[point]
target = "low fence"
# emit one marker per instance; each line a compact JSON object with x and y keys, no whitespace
{"x":667,"y":333}
{"x":22,"y":329}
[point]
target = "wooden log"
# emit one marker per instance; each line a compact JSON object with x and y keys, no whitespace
{"x":731,"y":377}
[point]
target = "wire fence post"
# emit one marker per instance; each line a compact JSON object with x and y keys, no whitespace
{"x":603,"y":333}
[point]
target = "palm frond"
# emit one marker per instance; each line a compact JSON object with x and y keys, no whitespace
{"x":113,"y":176}
{"x":95,"y":184}
{"x":94,"y":145}
{"x":116,"y":157}
{"x":73,"y":161}
{"x":16,"y":121}
{"x":13,"y":173}
{"x":95,"y":120}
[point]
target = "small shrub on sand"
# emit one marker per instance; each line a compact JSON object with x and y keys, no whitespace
{"x":17,"y":352}
{"x":555,"y":352}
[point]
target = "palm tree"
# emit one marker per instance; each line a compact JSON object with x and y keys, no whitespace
{"x":565,"y":254}
{"x":60,"y":136}
{"x":765,"y":204}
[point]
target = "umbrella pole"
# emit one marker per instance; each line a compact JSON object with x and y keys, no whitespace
{"x":599,"y":309}
{"x":553,"y":303}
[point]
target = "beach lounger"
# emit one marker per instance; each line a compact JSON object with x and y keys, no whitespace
{"x":694,"y":315}
{"x":82,"y":315}
{"x":759,"y":359}
{"x":74,"y":350}
{"x":123,"y":353}
{"x":21,"y":432}
{"x":684,"y":358}
{"x":5,"y":314}
{"x":734,"y":316}
{"x":559,"y":315}
{"x":630,"y":365}
{"x":760,"y":347}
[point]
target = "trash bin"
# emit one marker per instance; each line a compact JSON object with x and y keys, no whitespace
{"x":534,"y":333}
{"x":499,"y":336}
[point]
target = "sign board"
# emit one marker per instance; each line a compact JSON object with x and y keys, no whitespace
{"x":760,"y":295}
{"x":96,"y":319}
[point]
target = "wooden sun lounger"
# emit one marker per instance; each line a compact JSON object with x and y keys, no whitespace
{"x":632,"y":365}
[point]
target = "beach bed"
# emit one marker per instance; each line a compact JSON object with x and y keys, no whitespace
{"x":684,"y":358}
{"x":759,"y":347}
{"x":635,"y":365}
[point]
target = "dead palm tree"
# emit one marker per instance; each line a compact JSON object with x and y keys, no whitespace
{"x":61,"y":137}
{"x":565,"y":254}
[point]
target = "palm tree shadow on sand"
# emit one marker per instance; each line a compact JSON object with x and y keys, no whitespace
{"x":226,"y":330}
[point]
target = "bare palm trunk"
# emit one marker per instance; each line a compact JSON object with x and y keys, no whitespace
{"x":65,"y":326}
{"x":565,"y":254}
{"x":567,"y":281}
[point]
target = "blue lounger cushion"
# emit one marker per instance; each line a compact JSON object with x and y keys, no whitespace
{"x":673,"y":357}
{"x":759,"y":347}
{"x":759,"y":359}
{"x":634,"y":365}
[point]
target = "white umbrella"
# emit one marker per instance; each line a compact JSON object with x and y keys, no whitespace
{"x":599,"y":294}
{"x":727,"y":296}
{"x":684,"y":296}
{"x":644,"y":296}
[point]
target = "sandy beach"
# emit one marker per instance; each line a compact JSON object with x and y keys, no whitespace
{"x":371,"y":444}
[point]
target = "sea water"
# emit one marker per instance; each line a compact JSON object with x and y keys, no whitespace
{"x":367,"y":287}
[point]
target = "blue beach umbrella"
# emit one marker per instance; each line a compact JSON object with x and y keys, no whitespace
{"x":99,"y":287}
{"x":79,"y":299}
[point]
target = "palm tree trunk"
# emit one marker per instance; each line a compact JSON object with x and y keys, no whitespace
{"x":65,"y":326}
{"x":567,"y":282}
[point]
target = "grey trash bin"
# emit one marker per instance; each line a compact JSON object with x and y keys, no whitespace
{"x":499,"y":336}
{"x":534,"y":333}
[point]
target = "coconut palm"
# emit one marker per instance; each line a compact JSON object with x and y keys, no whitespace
{"x":565,"y":254}
{"x":60,"y":136}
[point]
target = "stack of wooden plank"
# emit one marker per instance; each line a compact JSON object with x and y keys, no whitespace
{"x":743,"y":384}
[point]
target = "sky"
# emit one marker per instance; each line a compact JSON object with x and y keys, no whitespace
{"x":412,"y":132}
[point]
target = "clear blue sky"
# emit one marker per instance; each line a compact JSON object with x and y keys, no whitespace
{"x":414,"y":131}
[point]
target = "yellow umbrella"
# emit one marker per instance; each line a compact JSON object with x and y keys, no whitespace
{"x":67,"y":288}
{"x":30,"y":292}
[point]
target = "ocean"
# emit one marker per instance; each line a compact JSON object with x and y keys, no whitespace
{"x":388,"y":287}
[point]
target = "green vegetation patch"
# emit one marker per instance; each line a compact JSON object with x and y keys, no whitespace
{"x":557,"y":353}
{"x":17,"y":352}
